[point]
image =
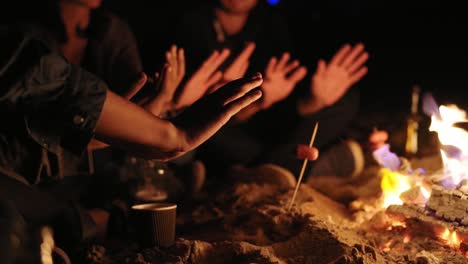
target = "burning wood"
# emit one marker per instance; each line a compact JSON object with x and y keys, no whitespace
{"x":450,"y":205}
{"x":424,"y":220}
{"x":417,"y":195}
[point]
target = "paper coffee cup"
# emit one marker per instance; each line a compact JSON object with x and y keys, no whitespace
{"x":155,"y":224}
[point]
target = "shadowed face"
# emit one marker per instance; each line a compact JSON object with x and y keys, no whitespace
{"x":92,"y":4}
{"x":238,"y":6}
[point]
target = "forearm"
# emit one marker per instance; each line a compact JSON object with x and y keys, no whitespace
{"x":137,"y":131}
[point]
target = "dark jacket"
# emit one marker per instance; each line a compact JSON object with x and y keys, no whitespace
{"x":46,"y":105}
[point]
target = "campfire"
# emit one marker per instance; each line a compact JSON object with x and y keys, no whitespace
{"x":433,"y":206}
{"x":412,"y":215}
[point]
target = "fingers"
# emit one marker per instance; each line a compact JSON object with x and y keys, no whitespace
{"x":214,"y":61}
{"x":355,"y":77}
{"x":291,"y":66}
{"x":321,"y":68}
{"x":298,"y":74}
{"x":181,"y":64}
{"x":239,"y":66}
{"x":245,"y":100}
{"x":244,"y":56}
{"x":243,"y":68}
{"x":162,"y":77}
{"x":214,"y":79}
{"x":168,"y":81}
{"x":271,"y":66}
{"x":236,"y":89}
{"x":352,"y":55}
{"x":337,"y":59}
{"x":358,"y":62}
{"x":282,"y":62}
{"x":136,"y":87}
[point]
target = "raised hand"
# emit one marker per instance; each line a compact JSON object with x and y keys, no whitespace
{"x":239,"y":66}
{"x":281,"y":76}
{"x":167,"y":82}
{"x":331,"y":81}
{"x":209,"y":114}
{"x":175,"y":71}
{"x":205,"y":77}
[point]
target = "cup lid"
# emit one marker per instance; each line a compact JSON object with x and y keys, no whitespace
{"x":154,"y":206}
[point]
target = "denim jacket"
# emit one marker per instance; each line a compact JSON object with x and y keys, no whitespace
{"x":46,"y":105}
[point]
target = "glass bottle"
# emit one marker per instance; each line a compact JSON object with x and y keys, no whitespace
{"x":412,"y":124}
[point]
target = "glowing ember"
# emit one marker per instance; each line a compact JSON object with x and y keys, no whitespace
{"x":393,"y":184}
{"x":406,"y":239}
{"x":454,"y":142}
{"x":451,"y":238}
{"x":395,"y":224}
{"x":387,"y":246}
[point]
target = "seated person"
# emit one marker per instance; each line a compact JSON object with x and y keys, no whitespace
{"x":48,"y":103}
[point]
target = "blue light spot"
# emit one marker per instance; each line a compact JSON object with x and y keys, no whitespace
{"x":273,"y":2}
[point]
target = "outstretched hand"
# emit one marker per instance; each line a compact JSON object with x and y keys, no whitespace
{"x":200,"y":121}
{"x":167,"y":81}
{"x":281,"y":76}
{"x":331,"y":81}
{"x":205,"y":77}
{"x":237,"y":68}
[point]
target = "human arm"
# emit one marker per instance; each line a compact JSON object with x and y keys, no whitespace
{"x":145,"y":135}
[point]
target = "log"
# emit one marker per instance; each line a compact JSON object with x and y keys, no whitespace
{"x":450,"y":205}
{"x":424,"y":220}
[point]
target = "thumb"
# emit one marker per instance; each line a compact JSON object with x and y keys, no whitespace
{"x":136,"y":87}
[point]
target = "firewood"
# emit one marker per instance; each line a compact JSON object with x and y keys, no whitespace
{"x":451,"y":205}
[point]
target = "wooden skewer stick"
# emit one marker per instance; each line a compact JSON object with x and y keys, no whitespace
{"x":304,"y":164}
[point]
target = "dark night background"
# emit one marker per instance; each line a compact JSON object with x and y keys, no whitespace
{"x":410,"y":42}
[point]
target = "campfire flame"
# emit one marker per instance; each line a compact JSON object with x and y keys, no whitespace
{"x":454,"y":142}
{"x":450,"y":238}
{"x":393,"y":184}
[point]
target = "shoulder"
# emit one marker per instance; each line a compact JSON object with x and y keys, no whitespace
{"x":18,"y":40}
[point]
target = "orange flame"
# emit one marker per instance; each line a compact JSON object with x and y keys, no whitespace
{"x":454,"y":156}
{"x":393,"y":184}
{"x":450,"y":238}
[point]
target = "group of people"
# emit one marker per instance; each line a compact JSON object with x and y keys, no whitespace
{"x":230,"y":94}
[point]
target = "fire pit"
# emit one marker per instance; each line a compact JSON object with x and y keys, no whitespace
{"x":406,"y":216}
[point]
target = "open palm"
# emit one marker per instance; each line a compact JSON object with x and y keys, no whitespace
{"x":331,"y":81}
{"x":281,"y":76}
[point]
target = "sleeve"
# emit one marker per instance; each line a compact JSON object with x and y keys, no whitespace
{"x":61,"y":103}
